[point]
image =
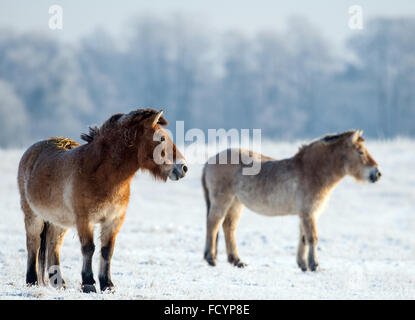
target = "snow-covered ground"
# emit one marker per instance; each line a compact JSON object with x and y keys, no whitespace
{"x":366,"y":248}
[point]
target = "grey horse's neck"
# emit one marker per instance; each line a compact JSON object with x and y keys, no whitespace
{"x":322,"y":168}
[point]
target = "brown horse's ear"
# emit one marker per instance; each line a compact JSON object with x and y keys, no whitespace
{"x":158,"y":119}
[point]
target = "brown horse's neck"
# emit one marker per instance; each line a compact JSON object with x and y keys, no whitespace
{"x":323,"y":166}
{"x":112,"y":162}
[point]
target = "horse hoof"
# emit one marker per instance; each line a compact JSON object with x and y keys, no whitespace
{"x":31,"y":284}
{"x":88,"y":288}
{"x":236,"y":261}
{"x":108,"y":289}
{"x":302,"y":266}
{"x":211,"y":262}
{"x":239,"y":264}
{"x":59,"y":286}
{"x":314,"y":267}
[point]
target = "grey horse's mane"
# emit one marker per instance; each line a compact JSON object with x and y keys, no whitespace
{"x":326,"y":140}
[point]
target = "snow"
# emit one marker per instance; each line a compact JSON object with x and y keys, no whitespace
{"x":366,"y":248}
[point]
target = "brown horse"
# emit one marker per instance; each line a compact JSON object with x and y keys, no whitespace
{"x":300,"y":185}
{"x":63,"y":184}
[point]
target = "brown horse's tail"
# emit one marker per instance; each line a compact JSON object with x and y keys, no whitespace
{"x":42,"y":253}
{"x":205,"y":190}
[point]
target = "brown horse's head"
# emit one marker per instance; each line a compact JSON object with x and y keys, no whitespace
{"x":358,"y":162}
{"x":141,"y":131}
{"x":156,"y":150}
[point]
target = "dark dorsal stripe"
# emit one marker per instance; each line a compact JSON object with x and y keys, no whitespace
{"x":333,"y":137}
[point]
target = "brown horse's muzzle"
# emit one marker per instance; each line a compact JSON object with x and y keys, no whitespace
{"x":178,"y":172}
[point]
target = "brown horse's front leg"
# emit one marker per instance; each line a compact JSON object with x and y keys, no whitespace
{"x":86,"y":236}
{"x":109,"y":231}
{"x":310,"y":232}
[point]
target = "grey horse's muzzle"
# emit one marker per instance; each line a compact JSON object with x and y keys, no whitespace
{"x":375,"y":175}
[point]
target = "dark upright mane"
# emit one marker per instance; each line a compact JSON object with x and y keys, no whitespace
{"x":92,"y":132}
{"x":120,"y":118}
{"x":326,"y":140}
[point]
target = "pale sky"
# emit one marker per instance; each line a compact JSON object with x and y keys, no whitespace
{"x":81,"y":17}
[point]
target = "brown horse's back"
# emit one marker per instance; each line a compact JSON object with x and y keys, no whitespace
{"x":41,"y":176}
{"x":42,"y":154}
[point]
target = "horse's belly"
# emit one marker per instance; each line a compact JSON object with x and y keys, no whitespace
{"x":268,"y":208}
{"x":60,"y":216}
{"x":273,"y":201}
{"x":53,"y":202}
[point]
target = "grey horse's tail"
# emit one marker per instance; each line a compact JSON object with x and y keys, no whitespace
{"x":42,"y":253}
{"x":205,"y":190}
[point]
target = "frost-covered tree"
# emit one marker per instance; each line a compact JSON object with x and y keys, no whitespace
{"x":13,"y":118}
{"x":386,"y":52}
{"x":46,"y":78}
{"x":288,"y":83}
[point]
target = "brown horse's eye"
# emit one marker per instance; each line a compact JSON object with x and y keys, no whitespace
{"x":162,"y":139}
{"x":360,"y":152}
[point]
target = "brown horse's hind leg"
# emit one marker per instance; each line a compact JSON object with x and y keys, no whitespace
{"x":86,"y":236}
{"x":34,"y":227}
{"x":109,"y":231}
{"x":302,"y":251}
{"x":229,"y":228}
{"x":54,"y":240}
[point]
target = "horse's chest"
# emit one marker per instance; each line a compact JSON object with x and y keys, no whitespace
{"x":108,"y":211}
{"x":103,"y":204}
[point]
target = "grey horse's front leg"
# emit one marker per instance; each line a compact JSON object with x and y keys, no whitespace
{"x":302,"y":251}
{"x":308,"y":224}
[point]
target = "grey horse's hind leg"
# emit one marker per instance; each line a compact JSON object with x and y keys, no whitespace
{"x":229,"y":228}
{"x":214,"y":220}
{"x":54,"y":240}
{"x":302,"y":251}
{"x":217,"y":212}
{"x":219,"y":197}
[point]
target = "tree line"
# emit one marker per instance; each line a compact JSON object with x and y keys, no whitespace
{"x":292,"y":84}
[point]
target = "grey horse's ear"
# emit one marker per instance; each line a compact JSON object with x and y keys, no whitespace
{"x":157,"y":118}
{"x":356,"y":136}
